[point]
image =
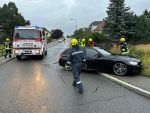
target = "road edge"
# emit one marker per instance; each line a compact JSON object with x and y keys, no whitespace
{"x":7,"y":60}
{"x":127,"y":85}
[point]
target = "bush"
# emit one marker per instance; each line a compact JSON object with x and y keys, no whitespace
{"x":98,"y":37}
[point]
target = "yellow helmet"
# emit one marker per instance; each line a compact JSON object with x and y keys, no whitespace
{"x":7,"y":39}
{"x":122,"y":40}
{"x":90,"y":39}
{"x":83,"y":40}
{"x":73,"y":42}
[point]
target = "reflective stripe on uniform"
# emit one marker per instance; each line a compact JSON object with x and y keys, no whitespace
{"x":77,"y":52}
{"x":78,"y":82}
{"x":68,"y":62}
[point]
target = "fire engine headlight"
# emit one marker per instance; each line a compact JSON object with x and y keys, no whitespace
{"x":16,"y":51}
{"x":37,"y":51}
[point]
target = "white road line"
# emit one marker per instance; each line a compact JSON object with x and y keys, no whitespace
{"x":127,"y":85}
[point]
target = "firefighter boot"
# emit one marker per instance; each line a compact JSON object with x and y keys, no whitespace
{"x":5,"y":55}
{"x":74,"y":84}
{"x":80,"y":87}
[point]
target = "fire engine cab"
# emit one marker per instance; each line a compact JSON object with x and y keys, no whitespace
{"x":30,"y":41}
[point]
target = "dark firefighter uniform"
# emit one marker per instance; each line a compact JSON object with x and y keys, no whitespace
{"x":123,"y":47}
{"x":8,"y":45}
{"x":76,"y":59}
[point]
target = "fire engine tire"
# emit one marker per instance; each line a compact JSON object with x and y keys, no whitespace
{"x":41,"y":56}
{"x":18,"y":57}
{"x":45,"y":52}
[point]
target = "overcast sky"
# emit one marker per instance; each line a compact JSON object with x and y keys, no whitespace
{"x":54,"y":14}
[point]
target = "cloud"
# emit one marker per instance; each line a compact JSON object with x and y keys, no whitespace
{"x":56,"y":14}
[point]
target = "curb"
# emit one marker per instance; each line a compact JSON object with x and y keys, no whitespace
{"x":127,"y":85}
{"x":6,"y":60}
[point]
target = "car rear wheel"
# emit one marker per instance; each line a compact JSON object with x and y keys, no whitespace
{"x":68,"y":67}
{"x":120,"y":69}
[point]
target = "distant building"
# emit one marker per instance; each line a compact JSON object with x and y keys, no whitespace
{"x":97,"y":26}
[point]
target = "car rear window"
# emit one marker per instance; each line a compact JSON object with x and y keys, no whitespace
{"x":67,"y":52}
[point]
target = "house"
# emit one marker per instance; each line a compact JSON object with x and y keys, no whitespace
{"x":97,"y":26}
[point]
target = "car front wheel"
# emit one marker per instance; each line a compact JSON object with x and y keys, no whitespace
{"x":120,"y":69}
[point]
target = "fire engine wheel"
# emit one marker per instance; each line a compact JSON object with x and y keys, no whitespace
{"x":45,"y":52}
{"x":18,"y":57}
{"x":41,"y":56}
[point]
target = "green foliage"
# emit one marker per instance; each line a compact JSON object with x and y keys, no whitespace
{"x":120,"y":19}
{"x":10,"y":17}
{"x":80,"y":33}
{"x":142,"y":28}
{"x":98,"y":37}
{"x":57,"y":33}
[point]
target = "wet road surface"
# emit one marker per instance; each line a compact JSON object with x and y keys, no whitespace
{"x":42,"y":86}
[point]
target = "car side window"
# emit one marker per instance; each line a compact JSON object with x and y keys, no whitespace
{"x":91,"y":53}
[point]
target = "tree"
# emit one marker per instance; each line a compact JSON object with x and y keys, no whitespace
{"x":10,"y":17}
{"x":57,"y":33}
{"x":142,"y":29}
{"x":120,"y":19}
{"x":98,"y":37}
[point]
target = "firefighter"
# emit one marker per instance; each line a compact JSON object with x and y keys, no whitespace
{"x":64,"y":39}
{"x":82,"y":43}
{"x":91,"y":42}
{"x":7,"y":45}
{"x":123,"y":47}
{"x":76,"y":59}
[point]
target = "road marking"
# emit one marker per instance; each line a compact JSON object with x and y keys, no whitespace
{"x":127,"y":85}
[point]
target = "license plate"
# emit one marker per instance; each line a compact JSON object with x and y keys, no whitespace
{"x":27,"y":44}
{"x":26,"y":51}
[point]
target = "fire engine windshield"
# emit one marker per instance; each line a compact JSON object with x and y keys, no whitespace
{"x":26,"y":33}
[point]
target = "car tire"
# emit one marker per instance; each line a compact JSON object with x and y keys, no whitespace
{"x":68,"y":67}
{"x":120,"y":69}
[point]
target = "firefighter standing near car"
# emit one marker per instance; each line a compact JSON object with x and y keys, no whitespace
{"x":91,"y":43}
{"x":8,"y":45}
{"x":82,"y":42}
{"x":76,"y":60}
{"x":123,"y":46}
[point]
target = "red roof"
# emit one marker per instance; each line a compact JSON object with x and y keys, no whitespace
{"x":100,"y":26}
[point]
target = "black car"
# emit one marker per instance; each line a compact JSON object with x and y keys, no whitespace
{"x":101,"y":60}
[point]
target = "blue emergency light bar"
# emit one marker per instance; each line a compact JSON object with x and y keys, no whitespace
{"x":36,"y":27}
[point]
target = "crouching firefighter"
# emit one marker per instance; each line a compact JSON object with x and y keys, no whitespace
{"x":123,"y":47}
{"x":76,"y":60}
{"x":7,"y":45}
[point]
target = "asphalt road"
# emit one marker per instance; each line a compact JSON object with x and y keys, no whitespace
{"x":42,"y":86}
